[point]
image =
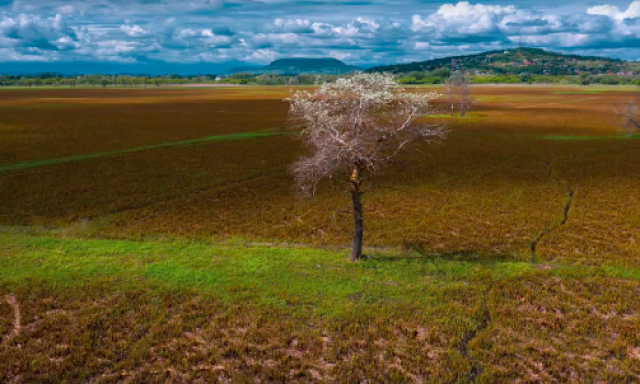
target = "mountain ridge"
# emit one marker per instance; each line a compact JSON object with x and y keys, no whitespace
{"x":303,"y":66}
{"x":518,"y":60}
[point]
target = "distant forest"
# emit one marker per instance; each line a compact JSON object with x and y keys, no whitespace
{"x":437,"y":76}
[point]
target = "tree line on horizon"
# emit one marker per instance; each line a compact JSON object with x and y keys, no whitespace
{"x":437,"y":76}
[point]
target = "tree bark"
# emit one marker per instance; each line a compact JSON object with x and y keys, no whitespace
{"x":358,"y":229}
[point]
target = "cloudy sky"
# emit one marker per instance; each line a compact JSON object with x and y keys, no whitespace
{"x":206,"y":36}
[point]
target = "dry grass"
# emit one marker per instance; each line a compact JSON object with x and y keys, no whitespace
{"x":563,"y":330}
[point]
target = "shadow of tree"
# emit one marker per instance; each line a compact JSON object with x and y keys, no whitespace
{"x":484,"y":257}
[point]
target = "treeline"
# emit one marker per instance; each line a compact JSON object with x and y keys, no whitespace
{"x":47,"y":79}
{"x":266,"y":79}
{"x":440,"y":76}
{"x":437,"y":76}
{"x":582,"y":79}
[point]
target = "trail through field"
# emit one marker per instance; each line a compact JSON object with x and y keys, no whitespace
{"x":72,"y":159}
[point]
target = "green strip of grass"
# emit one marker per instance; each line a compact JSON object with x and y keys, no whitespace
{"x":72,"y":159}
{"x":302,"y":280}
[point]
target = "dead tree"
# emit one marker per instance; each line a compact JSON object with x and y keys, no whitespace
{"x":466,"y":102}
{"x":355,"y":126}
{"x":629,"y":112}
{"x":458,"y":94}
{"x":450,"y":88}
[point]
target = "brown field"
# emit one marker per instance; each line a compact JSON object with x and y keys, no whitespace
{"x":486,"y":189}
{"x":498,"y":184}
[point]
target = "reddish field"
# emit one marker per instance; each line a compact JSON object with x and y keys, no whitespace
{"x":486,"y":189}
{"x":508,"y":253}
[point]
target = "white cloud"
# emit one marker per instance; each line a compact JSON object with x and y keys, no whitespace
{"x":633,"y":12}
{"x":465,"y":10}
{"x":293,"y":25}
{"x":11,"y":55}
{"x":262,"y":56}
{"x":463,"y":18}
{"x":66,"y":9}
{"x":563,"y":39}
{"x":32,"y":31}
{"x":605,"y":10}
{"x":134,"y":30}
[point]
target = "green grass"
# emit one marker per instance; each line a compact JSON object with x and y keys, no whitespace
{"x":319,"y":280}
{"x":303,"y":277}
{"x":73,"y":159}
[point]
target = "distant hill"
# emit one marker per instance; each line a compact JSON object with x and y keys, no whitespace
{"x":519,"y":60}
{"x":301,"y":66}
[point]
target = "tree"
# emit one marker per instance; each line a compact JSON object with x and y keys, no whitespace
{"x":355,"y":126}
{"x":441,"y":72}
{"x":466,"y":102}
{"x":458,"y":93}
{"x":450,"y":88}
{"x":629,"y":112}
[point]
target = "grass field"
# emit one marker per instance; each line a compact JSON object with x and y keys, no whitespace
{"x":154,"y":235}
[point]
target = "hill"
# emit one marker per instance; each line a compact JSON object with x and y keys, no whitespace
{"x":304,"y":66}
{"x":519,"y":60}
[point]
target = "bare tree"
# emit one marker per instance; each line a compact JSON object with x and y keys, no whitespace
{"x":450,"y":89}
{"x":458,"y":94}
{"x":355,"y":126}
{"x":466,"y":102}
{"x":629,"y":112}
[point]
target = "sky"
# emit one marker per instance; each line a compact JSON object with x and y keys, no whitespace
{"x":210,"y":36}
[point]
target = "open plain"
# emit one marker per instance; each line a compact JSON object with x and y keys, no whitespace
{"x":151,"y":235}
